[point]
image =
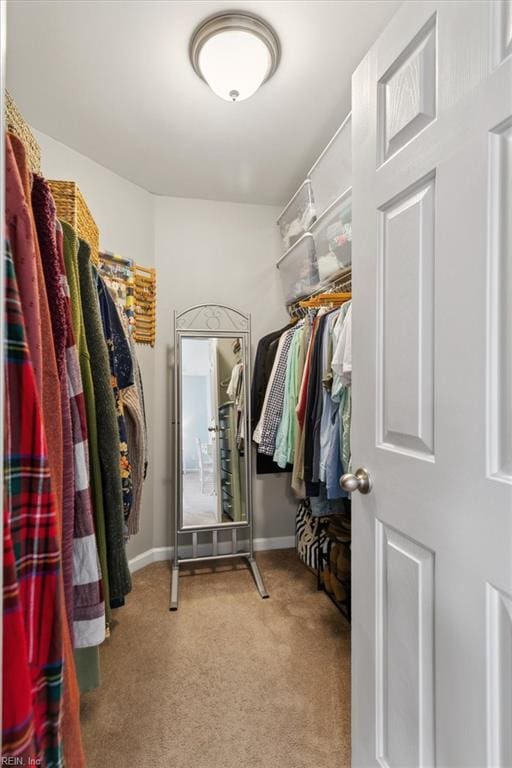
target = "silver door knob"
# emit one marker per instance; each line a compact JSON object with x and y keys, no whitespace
{"x":359,"y":481}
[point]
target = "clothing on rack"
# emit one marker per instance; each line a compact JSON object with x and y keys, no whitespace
{"x":235,"y":392}
{"x":131,"y":399}
{"x":264,"y":361}
{"x":88,"y":584}
{"x":305,"y":416}
{"x":31,"y":523}
{"x":266,"y":431}
{"x":86,"y":435}
{"x":64,"y":543}
{"x":135,"y":415}
{"x":117,"y":357}
{"x":108,"y":431}
{"x":118,"y":276}
{"x":22,"y":240}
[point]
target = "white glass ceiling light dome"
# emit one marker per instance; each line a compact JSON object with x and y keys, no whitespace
{"x":235,"y":53}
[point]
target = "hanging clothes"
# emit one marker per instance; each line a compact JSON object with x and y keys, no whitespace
{"x":313,"y":413}
{"x":273,"y":406}
{"x":263,"y":364}
{"x":44,"y":215}
{"x":306,"y":406}
{"x":87,"y":659}
{"x":107,"y":429}
{"x":22,"y":240}
{"x":32,"y":524}
{"x":329,"y":459}
{"x":342,"y":382}
{"x":297,"y":482}
{"x":285,"y":437}
{"x":89,"y":515}
{"x":50,"y":384}
{"x":235,"y":392}
{"x":120,"y":363}
{"x":135,"y":416}
{"x":17,"y":707}
{"x":86,"y":435}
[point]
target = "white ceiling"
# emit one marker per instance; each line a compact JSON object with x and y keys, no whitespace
{"x":112,"y":79}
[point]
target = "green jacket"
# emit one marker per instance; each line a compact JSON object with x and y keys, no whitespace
{"x":107,"y":430}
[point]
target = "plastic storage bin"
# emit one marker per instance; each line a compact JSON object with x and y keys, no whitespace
{"x":332,"y":235}
{"x":331,"y":175}
{"x":298,"y":216}
{"x":298,"y":269}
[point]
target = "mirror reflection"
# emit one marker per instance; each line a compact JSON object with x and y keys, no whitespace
{"x":213,"y":423}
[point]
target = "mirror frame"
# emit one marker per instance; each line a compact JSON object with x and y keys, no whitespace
{"x":210,"y":321}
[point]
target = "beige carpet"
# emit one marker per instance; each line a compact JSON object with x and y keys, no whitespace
{"x":227,"y":681}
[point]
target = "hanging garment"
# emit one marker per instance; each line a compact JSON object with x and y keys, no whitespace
{"x":140,"y":392}
{"x":89,"y":604}
{"x":133,"y":401}
{"x":272,"y":410}
{"x":297,"y":483}
{"x":87,"y":659}
{"x":88,"y":486}
{"x":303,"y":393}
{"x":22,"y":240}
{"x":259,"y":427}
{"x":330,"y":468}
{"x":313,"y":413}
{"x":235,"y":392}
{"x":17,"y":710}
{"x":285,"y":437}
{"x":345,"y":424}
{"x":50,"y":387}
{"x":342,"y":358}
{"x":107,"y":429}
{"x":32,"y":521}
{"x":342,"y":379}
{"x":263,"y":364}
{"x":118,"y":360}
{"x":44,"y":215}
{"x":135,"y":431}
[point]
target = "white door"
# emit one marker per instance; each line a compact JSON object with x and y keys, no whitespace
{"x":432,"y":389}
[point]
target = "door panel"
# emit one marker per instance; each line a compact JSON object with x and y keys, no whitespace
{"x":405,"y":418}
{"x":407,"y":92}
{"x":499,"y":661}
{"x":432,"y":390}
{"x":502,"y":30}
{"x":500,"y":284}
{"x":405,"y":650}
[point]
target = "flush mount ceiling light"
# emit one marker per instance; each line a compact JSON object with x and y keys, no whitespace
{"x":235,"y":53}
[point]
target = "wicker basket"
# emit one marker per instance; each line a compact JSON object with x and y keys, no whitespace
{"x":16,"y":124}
{"x":145,"y":305}
{"x":72,"y":208}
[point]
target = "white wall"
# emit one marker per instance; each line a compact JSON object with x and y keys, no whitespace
{"x":204,"y":251}
{"x":124,"y":215}
{"x":214,"y":252}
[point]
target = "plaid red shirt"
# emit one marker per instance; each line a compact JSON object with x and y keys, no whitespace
{"x":32,"y":524}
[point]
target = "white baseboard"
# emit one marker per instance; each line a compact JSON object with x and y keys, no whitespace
{"x":157,"y":554}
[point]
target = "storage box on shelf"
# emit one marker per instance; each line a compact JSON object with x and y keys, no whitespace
{"x":298,"y":269}
{"x":331,"y":175}
{"x":72,"y":208}
{"x":298,"y":216}
{"x":332,"y":234}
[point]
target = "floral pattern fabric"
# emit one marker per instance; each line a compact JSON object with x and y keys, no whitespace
{"x":110,"y":338}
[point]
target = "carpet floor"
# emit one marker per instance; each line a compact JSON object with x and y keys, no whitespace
{"x":227,"y":681}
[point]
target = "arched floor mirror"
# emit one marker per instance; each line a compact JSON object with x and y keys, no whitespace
{"x":212,"y":447}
